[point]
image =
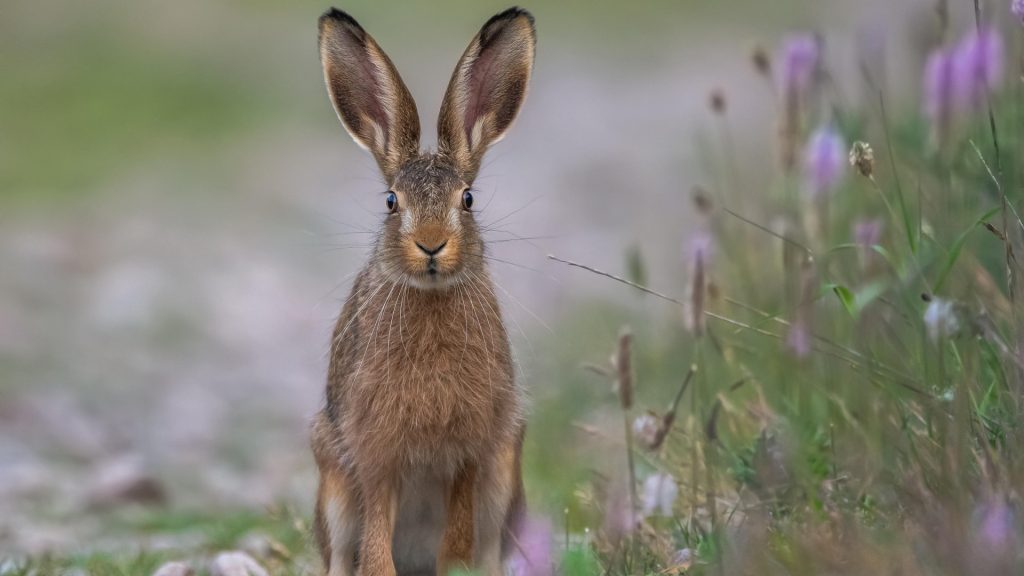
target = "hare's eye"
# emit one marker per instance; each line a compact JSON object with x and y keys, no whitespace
{"x":467,"y":200}
{"x":392,"y":201}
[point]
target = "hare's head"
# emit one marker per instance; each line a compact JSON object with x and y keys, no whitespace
{"x":430,"y":236}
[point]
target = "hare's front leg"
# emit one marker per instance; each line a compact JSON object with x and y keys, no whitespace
{"x":337,"y":521}
{"x":379,"y":490}
{"x":457,"y":543}
{"x":500,"y":504}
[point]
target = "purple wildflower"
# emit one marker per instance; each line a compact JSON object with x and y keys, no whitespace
{"x":533,"y":553}
{"x":799,"y":340}
{"x":824,"y":161}
{"x":867,"y":233}
{"x":994,"y":535}
{"x":700,"y":249}
{"x":799,"y":58}
{"x":1017,"y":8}
{"x":996,"y":529}
{"x":660,"y":492}
{"x":938,"y":85}
{"x":978,"y":67}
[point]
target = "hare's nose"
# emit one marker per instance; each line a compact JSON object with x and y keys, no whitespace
{"x":432,"y":251}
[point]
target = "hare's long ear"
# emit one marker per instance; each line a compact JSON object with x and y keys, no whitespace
{"x":368,"y":94}
{"x":487,"y":89}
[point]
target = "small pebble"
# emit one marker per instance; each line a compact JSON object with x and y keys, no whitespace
{"x":235,"y":563}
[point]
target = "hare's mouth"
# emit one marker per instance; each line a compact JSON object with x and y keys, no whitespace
{"x":434,"y":274}
{"x":433,"y":279}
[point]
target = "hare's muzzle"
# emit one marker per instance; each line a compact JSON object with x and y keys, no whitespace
{"x":432,"y":252}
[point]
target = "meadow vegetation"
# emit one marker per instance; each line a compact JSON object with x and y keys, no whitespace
{"x":836,"y":386}
{"x":843,"y":393}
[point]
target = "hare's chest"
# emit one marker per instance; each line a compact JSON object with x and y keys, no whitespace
{"x":449,"y":388}
{"x":440,"y":351}
{"x":437,"y":390}
{"x":432,"y":381}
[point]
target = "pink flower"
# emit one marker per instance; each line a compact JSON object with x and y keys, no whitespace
{"x":978,"y":67}
{"x":824,"y":161}
{"x":532,"y":556}
{"x":799,"y":64}
{"x":700,"y":248}
{"x":866,"y":234}
{"x":997,"y":525}
{"x":938,"y":87}
{"x":799,"y":340}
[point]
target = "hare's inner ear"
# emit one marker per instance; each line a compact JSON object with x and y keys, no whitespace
{"x":368,"y":94}
{"x":487,"y":89}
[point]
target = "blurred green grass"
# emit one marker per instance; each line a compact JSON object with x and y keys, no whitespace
{"x":94,"y":94}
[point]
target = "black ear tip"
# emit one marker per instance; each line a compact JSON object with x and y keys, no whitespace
{"x":335,"y":16}
{"x":511,"y":14}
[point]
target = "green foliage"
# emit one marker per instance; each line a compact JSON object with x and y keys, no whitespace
{"x":579,"y":561}
{"x":94,"y":102}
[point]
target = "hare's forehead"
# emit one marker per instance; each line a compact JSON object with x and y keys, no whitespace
{"x":426,"y":181}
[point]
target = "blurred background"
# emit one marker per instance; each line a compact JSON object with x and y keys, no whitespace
{"x":181,"y":215}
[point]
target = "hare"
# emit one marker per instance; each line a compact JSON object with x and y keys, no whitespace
{"x":419,"y":443}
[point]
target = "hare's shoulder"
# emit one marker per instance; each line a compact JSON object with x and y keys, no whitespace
{"x":345,"y":342}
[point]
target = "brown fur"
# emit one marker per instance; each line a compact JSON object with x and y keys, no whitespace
{"x":420,"y":440}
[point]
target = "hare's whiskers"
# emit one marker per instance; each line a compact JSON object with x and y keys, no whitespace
{"x":517,"y":238}
{"x":519,"y":328}
{"x":459,"y":291}
{"x":526,"y":239}
{"x":484,"y":283}
{"x":354,"y":227}
{"x":493,"y":223}
{"x":359,"y":311}
{"x":371,"y":341}
{"x":401,"y":336}
{"x":483,"y":334}
{"x":523,"y":306}
{"x":327,"y":248}
{"x":391,"y":323}
{"x":321,"y":299}
{"x":490,"y":258}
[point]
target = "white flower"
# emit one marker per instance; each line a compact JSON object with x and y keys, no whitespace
{"x":940,"y":319}
{"x":660,"y":493}
{"x":645,"y":429}
{"x":682,"y":559}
